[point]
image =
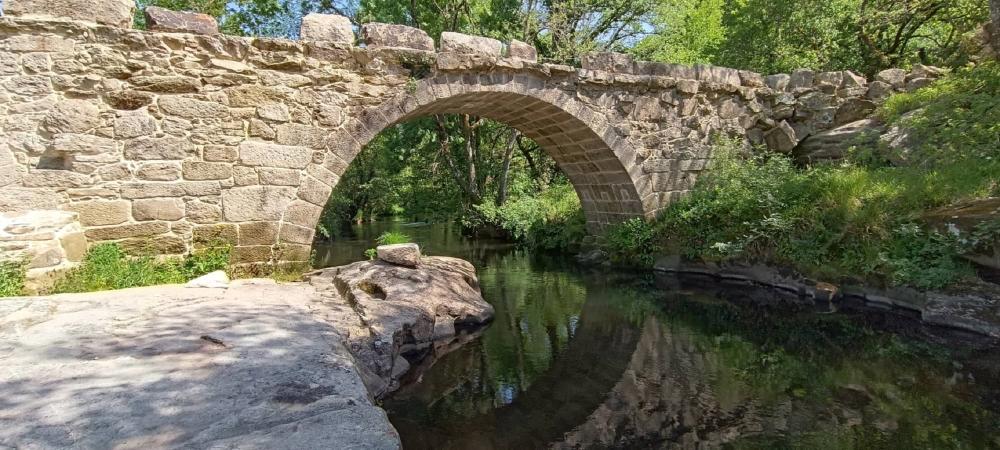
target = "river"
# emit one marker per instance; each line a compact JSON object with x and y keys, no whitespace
{"x":596,"y":358}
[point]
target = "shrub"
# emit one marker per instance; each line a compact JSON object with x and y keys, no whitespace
{"x":631,"y":242}
{"x":551,"y":220}
{"x":12,"y":274}
{"x":106,"y":266}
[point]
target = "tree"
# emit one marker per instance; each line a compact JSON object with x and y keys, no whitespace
{"x":684,"y":32}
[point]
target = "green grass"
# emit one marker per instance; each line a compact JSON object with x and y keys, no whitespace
{"x":852,"y":221}
{"x":107,"y":266}
{"x":12,"y":275}
{"x":388,"y":238}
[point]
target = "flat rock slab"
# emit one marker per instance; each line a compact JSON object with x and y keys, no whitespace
{"x":252,"y":366}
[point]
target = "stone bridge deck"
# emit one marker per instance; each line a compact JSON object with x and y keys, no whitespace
{"x":169,"y":139}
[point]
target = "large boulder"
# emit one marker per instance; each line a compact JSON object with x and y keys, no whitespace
{"x":401,"y":315}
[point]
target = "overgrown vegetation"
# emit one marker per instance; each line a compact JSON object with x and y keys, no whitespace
{"x":12,"y":275}
{"x":849,"y":220}
{"x":106,"y":266}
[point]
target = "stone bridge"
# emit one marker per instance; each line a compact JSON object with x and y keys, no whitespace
{"x":168,"y":139}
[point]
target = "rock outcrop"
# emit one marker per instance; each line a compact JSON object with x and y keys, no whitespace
{"x":391,"y":312}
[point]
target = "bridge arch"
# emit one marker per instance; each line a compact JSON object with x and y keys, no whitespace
{"x":595,"y":155}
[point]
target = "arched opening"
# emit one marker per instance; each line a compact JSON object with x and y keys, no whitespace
{"x":598,"y":161}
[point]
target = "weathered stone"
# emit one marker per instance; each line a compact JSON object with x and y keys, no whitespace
{"x":159,"y":171}
{"x":801,"y":79}
{"x":464,"y":43}
{"x":397,"y":298}
{"x":127,"y":231}
{"x":72,"y":116}
{"x":407,"y":255}
{"x":781,"y":138}
{"x":893,"y":77}
{"x":276,"y":112}
{"x":87,"y":144}
{"x":161,"y":148}
{"x":171,"y":84}
{"x":212,"y":280}
{"x":254,"y":96}
{"x":54,"y":179}
{"x":165,"y":20}
{"x":215,"y":235}
{"x":200,"y":171}
{"x":390,"y":35}
{"x":132,"y":125}
{"x":102,"y":212}
{"x":258,"y":233}
{"x":117,"y":13}
{"x":17,"y":198}
{"x":833,"y":145}
{"x":303,"y":214}
{"x":128,"y":100}
{"x":200,"y":212}
{"x":192,"y":108}
{"x":853,"y":110}
{"x":327,"y":28}
{"x":295,"y":134}
{"x":274,"y":155}
{"x":256,"y":203}
{"x":279,"y":177}
{"x":157,"y":209}
{"x":879,"y":91}
{"x":36,"y":62}
{"x":608,"y":62}
{"x":522,"y":50}
{"x":219,"y":153}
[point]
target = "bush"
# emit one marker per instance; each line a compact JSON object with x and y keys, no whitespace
{"x":551,"y":220}
{"x":387,"y":238}
{"x":107,"y":266}
{"x":631,"y":243}
{"x":12,"y":275}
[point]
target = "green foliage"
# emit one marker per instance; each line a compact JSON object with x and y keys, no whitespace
{"x":12,"y":274}
{"x":392,"y":238}
{"x":631,"y":242}
{"x":107,"y":266}
{"x":855,"y":220}
{"x":687,"y":32}
{"x":552,"y":220}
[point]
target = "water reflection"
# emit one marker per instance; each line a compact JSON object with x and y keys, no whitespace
{"x":585,"y":359}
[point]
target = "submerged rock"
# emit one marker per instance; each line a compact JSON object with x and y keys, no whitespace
{"x":392,"y":315}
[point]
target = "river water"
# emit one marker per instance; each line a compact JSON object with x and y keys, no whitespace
{"x":585,"y":358}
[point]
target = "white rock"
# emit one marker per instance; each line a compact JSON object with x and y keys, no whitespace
{"x":217,"y":279}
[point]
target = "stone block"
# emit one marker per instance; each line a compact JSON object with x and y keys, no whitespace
{"x":251,"y":254}
{"x":279,"y":177}
{"x":86,"y":144}
{"x":256,"y":203}
{"x":166,"y":84}
{"x":391,"y":35}
{"x":275,"y":112}
{"x":201,"y":171}
{"x":258,"y":233}
{"x":158,"y":148}
{"x":314,"y":191}
{"x":781,"y":138}
{"x":252,"y":96}
{"x":17,"y":198}
{"x":159,"y":171}
{"x":301,"y":135}
{"x":165,"y":20}
{"x":116,"y":13}
{"x":522,"y":50}
{"x":266,"y":154}
{"x":157,"y":209}
{"x":801,"y":79}
{"x":201,"y":212}
{"x":294,"y":234}
{"x":407,"y":255}
{"x":72,"y":116}
{"x":219,"y":153}
{"x":102,"y":212}
{"x":464,"y":43}
{"x":192,"y":108}
{"x":127,"y":231}
{"x":608,"y":62}
{"x":327,"y":28}
{"x":303,"y":214}
{"x":133,"y":125}
{"x":160,"y":245}
{"x":893,"y":77}
{"x":214,"y":235}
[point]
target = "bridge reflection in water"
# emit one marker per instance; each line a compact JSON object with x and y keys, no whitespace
{"x":579,"y":358}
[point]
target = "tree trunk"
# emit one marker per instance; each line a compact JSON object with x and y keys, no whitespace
{"x":995,"y":32}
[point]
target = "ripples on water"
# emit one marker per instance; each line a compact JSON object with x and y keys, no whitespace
{"x":584,"y":358}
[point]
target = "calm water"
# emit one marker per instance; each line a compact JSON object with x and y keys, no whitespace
{"x":580,"y":358}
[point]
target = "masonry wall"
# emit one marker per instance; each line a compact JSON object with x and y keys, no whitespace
{"x":164,"y":142}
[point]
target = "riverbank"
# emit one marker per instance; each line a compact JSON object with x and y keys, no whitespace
{"x":254,"y":365}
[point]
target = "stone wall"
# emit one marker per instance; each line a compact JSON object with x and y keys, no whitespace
{"x":168,"y":140}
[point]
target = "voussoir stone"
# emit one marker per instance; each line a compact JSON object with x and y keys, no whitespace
{"x":327,"y":28}
{"x":400,"y":254}
{"x":117,"y":13}
{"x":165,"y":20}
{"x":392,"y":35}
{"x":464,"y":43}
